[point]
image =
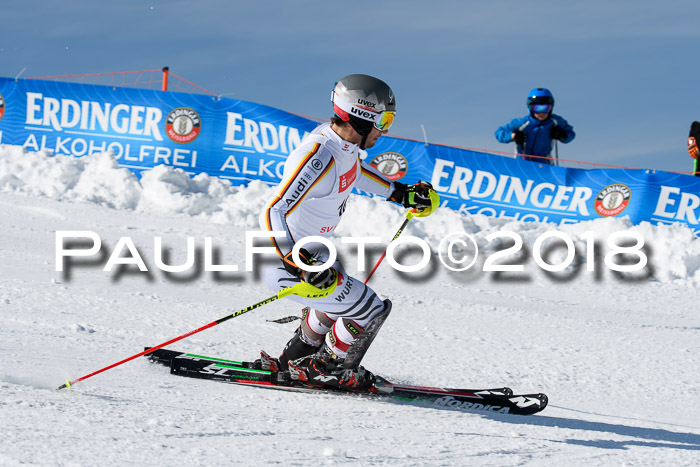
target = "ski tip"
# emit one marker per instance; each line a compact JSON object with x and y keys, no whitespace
{"x":528,"y":404}
{"x":542,"y":400}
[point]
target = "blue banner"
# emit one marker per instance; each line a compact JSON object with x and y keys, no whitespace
{"x":243,"y":141}
{"x":226,"y":138}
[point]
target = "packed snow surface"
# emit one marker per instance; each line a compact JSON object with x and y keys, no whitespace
{"x":616,"y":352}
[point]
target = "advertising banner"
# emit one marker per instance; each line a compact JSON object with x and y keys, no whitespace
{"x":243,"y":141}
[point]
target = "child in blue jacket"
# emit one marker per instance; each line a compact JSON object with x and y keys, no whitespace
{"x":534,"y":135}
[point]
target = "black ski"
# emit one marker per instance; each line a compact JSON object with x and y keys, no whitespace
{"x":497,"y":400}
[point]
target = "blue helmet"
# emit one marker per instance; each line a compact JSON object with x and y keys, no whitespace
{"x":539,"y":96}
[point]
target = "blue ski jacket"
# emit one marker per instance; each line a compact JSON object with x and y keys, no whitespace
{"x":537,"y":142}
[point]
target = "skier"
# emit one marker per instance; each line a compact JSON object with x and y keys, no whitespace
{"x":536,"y":133}
{"x":318,"y":178}
{"x":693,"y":138}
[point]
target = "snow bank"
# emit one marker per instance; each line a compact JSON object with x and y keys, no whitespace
{"x":96,"y":180}
{"x":168,"y":191}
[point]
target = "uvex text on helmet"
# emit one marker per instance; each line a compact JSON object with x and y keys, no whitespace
{"x":364,"y":101}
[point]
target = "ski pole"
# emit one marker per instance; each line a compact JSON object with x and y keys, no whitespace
{"x":515,"y":151}
{"x":434,"y":202}
{"x":409,"y":216}
{"x":303,"y":289}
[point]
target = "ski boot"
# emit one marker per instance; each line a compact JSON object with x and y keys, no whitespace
{"x":297,"y":347}
{"x":325,"y":369}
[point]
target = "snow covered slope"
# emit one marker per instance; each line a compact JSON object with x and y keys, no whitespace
{"x":617,"y":353}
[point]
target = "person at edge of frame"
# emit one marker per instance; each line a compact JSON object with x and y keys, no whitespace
{"x":693,"y":139}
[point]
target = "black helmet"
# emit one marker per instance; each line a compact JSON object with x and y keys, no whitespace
{"x":364,"y":101}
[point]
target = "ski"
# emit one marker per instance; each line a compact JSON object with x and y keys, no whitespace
{"x":496,"y":400}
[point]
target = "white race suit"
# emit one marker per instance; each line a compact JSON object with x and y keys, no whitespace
{"x":319,"y":176}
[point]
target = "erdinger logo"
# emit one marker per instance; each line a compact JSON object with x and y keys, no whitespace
{"x":393,"y":165}
{"x":612,"y":200}
{"x":183,"y":125}
{"x":2,"y":106}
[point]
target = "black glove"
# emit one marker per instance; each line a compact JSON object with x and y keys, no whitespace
{"x":412,"y":196}
{"x":558,"y":132}
{"x":519,"y":137}
{"x":320,"y":279}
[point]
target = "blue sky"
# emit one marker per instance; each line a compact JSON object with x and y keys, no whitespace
{"x":625,"y":74}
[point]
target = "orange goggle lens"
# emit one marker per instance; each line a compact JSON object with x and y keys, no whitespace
{"x":386,"y":119}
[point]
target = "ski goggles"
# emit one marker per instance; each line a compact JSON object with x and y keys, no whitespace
{"x":382,"y":120}
{"x":386,"y":119}
{"x":541,"y":108}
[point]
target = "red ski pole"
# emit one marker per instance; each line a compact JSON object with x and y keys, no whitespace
{"x":409,"y":216}
{"x":302,"y":289}
{"x":434,"y":202}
